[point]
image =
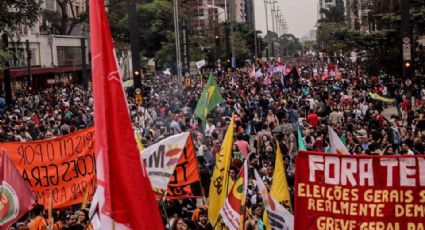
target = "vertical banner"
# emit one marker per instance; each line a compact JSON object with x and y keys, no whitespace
{"x":359,"y":192}
{"x":185,"y":181}
{"x":65,"y":165}
{"x":185,"y":44}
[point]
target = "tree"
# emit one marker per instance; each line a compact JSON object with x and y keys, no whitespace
{"x":62,"y":22}
{"x":290,"y":44}
{"x":14,"y":13}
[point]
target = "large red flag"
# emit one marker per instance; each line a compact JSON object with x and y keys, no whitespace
{"x":124,"y":194}
{"x":15,"y":196}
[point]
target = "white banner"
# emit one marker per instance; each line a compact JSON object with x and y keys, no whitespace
{"x":200,"y":64}
{"x":161,"y":159}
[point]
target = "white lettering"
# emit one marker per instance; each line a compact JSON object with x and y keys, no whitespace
{"x":366,"y":172}
{"x":329,"y":162}
{"x":348,"y":168}
{"x":390,"y":163}
{"x":315,"y":163}
{"x":406,"y":171}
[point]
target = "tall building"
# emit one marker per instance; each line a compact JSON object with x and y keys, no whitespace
{"x":55,"y":51}
{"x":358,"y":15}
{"x":326,"y":4}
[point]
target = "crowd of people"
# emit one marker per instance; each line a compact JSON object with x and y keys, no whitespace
{"x":269,"y":108}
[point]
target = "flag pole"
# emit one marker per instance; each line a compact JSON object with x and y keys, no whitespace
{"x":161,"y":202}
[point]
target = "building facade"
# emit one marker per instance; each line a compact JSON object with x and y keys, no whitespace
{"x":54,"y":58}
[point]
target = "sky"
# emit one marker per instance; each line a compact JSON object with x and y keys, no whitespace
{"x":300,"y":15}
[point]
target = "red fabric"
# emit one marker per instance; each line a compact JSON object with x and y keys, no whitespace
{"x":129,"y":199}
{"x":405,"y":105}
{"x":243,"y":147}
{"x":327,"y":185}
{"x":313,"y":119}
{"x":12,"y":183}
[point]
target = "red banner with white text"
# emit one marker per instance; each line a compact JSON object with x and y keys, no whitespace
{"x":359,"y":192}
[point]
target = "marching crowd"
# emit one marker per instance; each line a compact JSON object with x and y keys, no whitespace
{"x":269,"y":109}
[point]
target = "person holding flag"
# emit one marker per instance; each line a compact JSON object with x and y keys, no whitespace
{"x":220,"y":180}
{"x":233,"y":211}
{"x":279,"y":217}
{"x":279,"y":188}
{"x":209,"y":99}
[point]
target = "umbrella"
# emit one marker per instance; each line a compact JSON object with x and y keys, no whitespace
{"x":284,"y":127}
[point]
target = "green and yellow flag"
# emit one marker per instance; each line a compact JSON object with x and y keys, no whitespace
{"x":220,"y":181}
{"x":209,"y":99}
{"x":279,"y":189}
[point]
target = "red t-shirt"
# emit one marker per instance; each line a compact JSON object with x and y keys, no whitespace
{"x":313,"y":119}
{"x":405,"y":105}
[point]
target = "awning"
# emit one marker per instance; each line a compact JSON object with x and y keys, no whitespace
{"x":16,"y":73}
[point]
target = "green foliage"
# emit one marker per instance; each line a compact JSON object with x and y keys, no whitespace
{"x":4,"y":56}
{"x":290,"y":43}
{"x":64,"y":20}
{"x":14,"y":13}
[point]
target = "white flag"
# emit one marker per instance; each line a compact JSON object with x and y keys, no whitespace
{"x":200,"y":63}
{"x":161,"y":159}
{"x":336,"y":144}
{"x":279,"y":217}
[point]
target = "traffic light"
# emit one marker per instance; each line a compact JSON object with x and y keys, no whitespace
{"x":29,"y":54}
{"x":407,"y":64}
{"x":136,"y":73}
{"x":217,"y":39}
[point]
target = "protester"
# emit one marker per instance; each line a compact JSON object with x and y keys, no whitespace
{"x":269,"y":110}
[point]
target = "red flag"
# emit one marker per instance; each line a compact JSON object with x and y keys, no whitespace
{"x":124,"y":194}
{"x":15,"y":196}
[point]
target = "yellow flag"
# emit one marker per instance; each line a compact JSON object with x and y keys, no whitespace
{"x":279,"y":189}
{"x":220,"y":181}
{"x":139,"y":142}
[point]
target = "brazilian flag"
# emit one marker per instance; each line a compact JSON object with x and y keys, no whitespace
{"x":209,"y":99}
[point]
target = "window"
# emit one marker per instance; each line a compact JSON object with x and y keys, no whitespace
{"x":69,"y":56}
{"x":50,"y":4}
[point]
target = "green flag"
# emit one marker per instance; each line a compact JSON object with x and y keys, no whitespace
{"x":301,"y":145}
{"x":209,"y":99}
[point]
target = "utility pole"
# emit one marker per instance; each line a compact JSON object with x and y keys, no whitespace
{"x":29,"y":65}
{"x":406,"y":38}
{"x":83,"y":62}
{"x":278,"y":21}
{"x":6,"y":73}
{"x":135,"y":44}
{"x":267,"y":29}
{"x":272,"y":10}
{"x":177,"y":42}
{"x":254,"y":30}
{"x":232,"y":41}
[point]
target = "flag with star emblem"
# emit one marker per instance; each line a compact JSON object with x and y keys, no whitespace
{"x":124,"y":198}
{"x":209,"y":99}
{"x":232,"y":213}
